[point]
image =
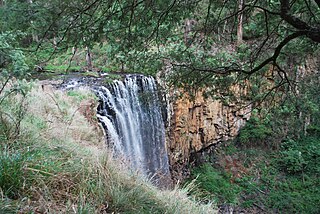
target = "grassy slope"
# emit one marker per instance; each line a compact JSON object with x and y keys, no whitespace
{"x":58,"y":162}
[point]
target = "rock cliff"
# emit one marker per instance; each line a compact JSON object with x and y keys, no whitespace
{"x":198,"y":124}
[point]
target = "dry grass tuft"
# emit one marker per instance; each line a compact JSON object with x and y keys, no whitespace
{"x":63,"y":116}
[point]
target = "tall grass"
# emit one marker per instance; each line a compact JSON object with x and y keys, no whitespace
{"x":59,"y":164}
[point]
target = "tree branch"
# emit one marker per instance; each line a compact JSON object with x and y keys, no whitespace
{"x":292,"y":20}
{"x":277,"y":51}
{"x":313,"y":32}
{"x":318,"y":2}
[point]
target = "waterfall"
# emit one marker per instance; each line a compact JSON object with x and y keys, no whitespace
{"x":130,"y":112}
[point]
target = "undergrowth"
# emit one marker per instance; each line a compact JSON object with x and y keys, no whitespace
{"x":284,"y":180}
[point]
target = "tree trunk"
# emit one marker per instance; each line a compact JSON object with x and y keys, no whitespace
{"x":35,"y":37}
{"x":54,"y":42}
{"x":188,"y":27}
{"x":88,"y":59}
{"x":240,"y":23}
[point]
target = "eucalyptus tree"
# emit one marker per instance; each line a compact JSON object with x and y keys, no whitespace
{"x":271,"y":29}
{"x":211,"y":43}
{"x":195,"y":36}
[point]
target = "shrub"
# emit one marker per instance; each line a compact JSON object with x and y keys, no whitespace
{"x":300,"y":156}
{"x":255,"y":132}
{"x":292,"y":161}
{"x":217,"y":184}
{"x":295,"y":195}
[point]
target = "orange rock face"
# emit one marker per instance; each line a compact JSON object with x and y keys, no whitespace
{"x":199,"y":124}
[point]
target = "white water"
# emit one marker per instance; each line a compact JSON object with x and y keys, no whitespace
{"x":130,"y":112}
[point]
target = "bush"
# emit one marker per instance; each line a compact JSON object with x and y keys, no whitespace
{"x":279,"y":181}
{"x":295,"y":195}
{"x":296,"y":189}
{"x":256,"y":131}
{"x":217,"y":184}
{"x":292,"y":161}
{"x":300,"y":156}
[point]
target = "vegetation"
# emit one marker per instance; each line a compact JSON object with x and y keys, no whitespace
{"x":203,"y":38}
{"x":267,"y":50}
{"x":284,"y":180}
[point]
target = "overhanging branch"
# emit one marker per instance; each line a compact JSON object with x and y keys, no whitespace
{"x":313,"y":33}
{"x":318,"y":2}
{"x":277,"y":51}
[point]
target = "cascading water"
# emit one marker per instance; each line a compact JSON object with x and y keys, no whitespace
{"x":130,"y":112}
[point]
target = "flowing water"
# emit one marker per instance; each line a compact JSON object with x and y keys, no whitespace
{"x":130,"y":112}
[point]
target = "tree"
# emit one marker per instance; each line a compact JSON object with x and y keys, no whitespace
{"x":270,"y":30}
{"x":240,"y":29}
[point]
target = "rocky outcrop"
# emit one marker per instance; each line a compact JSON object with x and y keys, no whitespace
{"x":198,"y":124}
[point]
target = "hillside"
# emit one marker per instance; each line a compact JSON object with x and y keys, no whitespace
{"x":54,"y":160}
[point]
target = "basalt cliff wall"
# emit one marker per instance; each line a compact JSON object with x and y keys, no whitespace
{"x":196,"y":125}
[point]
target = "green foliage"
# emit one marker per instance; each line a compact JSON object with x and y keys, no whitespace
{"x":298,"y":189}
{"x":288,"y":175}
{"x":217,"y":184}
{"x":12,"y":109}
{"x":298,"y":115}
{"x":12,"y":175}
{"x":295,"y":195}
{"x":301,"y":156}
{"x":293,"y":161}
{"x":12,"y":61}
{"x":257,"y":131}
{"x":61,"y":68}
{"x":145,"y":36}
{"x":284,"y":180}
{"x":313,"y":130}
